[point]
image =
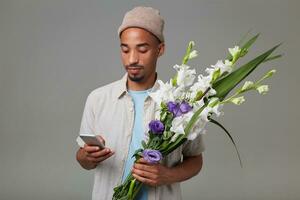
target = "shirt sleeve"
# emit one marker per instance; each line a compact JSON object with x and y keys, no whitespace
{"x":87,"y":121}
{"x":193,"y":147}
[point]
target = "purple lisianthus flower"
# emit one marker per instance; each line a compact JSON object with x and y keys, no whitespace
{"x":185,"y":107}
{"x":174,"y":108}
{"x":156,"y":127}
{"x":171,"y":106}
{"x":178,"y":109}
{"x":152,"y":156}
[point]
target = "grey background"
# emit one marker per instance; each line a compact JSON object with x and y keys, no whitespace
{"x":53,"y":53}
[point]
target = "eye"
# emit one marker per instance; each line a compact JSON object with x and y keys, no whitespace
{"x":124,"y":49}
{"x":143,"y":49}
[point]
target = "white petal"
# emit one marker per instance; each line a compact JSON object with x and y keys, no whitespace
{"x":238,"y":100}
{"x":247,"y":85}
{"x":263,"y":89}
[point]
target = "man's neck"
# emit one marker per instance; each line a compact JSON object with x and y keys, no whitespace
{"x":144,"y":85}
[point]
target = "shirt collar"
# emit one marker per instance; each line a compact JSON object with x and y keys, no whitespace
{"x":122,"y":86}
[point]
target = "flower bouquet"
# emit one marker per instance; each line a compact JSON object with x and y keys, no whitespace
{"x":186,"y":105}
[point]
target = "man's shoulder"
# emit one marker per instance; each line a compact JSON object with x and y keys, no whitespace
{"x":108,"y":89}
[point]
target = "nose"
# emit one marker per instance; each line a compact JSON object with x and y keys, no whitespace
{"x":133,"y":57}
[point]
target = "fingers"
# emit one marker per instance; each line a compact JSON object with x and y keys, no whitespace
{"x":145,"y":180}
{"x":100,"y":153}
{"x":100,"y":159}
{"x":146,"y":167}
{"x":90,"y":149}
{"x":144,"y":174}
{"x":95,"y":154}
{"x":142,"y":160}
{"x":153,"y":174}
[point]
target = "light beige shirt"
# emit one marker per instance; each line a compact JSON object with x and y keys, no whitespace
{"x":109,"y":112}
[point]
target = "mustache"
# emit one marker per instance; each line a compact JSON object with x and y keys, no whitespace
{"x":134,"y":66}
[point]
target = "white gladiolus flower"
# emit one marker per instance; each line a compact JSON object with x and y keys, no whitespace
{"x":185,"y":76}
{"x":263,"y":89}
{"x":234,"y":51}
{"x":238,"y":100}
{"x":201,"y":85}
{"x":197,"y":129}
{"x":247,"y":85}
{"x":179,"y":92}
{"x":193,"y":134}
{"x":207,"y":110}
{"x":197,"y":105}
{"x":179,"y":123}
{"x":164,"y":93}
{"x":228,"y":63}
{"x":193,"y":54}
{"x":224,"y":67}
{"x":205,"y":113}
{"x":216,"y":110}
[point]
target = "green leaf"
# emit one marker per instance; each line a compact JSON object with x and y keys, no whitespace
{"x":228,"y":134}
{"x":273,"y":58}
{"x":144,"y":144}
{"x":155,"y":142}
{"x":244,"y":37}
{"x":213,"y":102}
{"x":227,"y":83}
{"x":172,"y":146}
{"x":137,"y":153}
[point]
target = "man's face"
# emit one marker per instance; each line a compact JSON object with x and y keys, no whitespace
{"x":139,"y":52}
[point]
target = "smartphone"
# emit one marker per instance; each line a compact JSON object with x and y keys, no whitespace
{"x":91,"y":140}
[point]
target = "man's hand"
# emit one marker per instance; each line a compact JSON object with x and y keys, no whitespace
{"x":151,"y":174}
{"x":90,"y":156}
{"x":158,"y":174}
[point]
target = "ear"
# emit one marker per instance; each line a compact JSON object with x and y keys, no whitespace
{"x":161,"y":49}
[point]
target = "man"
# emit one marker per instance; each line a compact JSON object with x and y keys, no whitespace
{"x":120,"y":112}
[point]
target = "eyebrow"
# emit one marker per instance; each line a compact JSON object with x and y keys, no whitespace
{"x":138,"y":45}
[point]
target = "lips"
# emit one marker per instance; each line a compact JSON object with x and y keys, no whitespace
{"x":134,"y":70}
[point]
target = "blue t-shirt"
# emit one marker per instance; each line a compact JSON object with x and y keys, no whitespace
{"x":137,"y":136}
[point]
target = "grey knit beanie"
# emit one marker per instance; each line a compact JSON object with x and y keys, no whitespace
{"x":144,"y":17}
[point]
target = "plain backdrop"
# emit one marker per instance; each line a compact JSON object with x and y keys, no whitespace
{"x":53,"y":53}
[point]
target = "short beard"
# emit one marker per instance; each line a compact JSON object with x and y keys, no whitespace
{"x":136,"y":79}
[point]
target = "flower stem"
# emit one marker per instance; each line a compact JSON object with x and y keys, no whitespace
{"x":131,"y":187}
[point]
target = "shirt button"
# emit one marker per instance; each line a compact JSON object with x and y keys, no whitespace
{"x":131,"y":109}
